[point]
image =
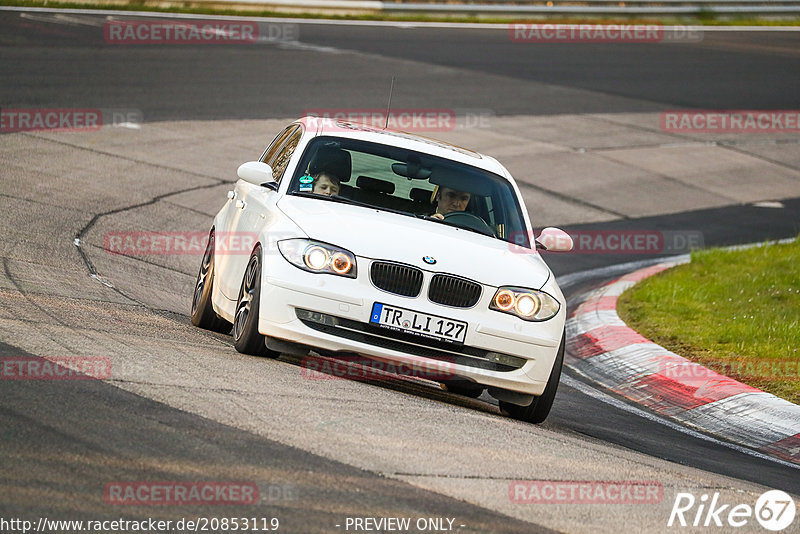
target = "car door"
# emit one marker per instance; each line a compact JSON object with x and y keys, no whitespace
{"x":249,"y":210}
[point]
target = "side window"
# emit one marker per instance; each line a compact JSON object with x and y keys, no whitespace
{"x":284,"y":155}
{"x":277,"y":143}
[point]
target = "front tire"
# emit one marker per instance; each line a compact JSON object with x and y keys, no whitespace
{"x":246,"y":338}
{"x":203,"y":314}
{"x":539,"y":409}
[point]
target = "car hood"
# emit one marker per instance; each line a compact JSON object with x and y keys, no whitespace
{"x":377,"y":234}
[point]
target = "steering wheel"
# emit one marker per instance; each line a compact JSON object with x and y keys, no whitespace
{"x":469,"y":220}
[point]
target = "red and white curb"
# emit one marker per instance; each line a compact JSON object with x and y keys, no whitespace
{"x":603,"y":348}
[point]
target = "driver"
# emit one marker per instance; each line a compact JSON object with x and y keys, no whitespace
{"x":449,"y":200}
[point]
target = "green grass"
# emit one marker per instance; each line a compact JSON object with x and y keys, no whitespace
{"x":203,"y":8}
{"x":735,"y":311}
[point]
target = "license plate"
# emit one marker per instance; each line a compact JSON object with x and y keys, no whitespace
{"x":421,"y":324}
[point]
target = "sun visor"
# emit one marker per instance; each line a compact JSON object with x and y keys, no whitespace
{"x":461,"y":180}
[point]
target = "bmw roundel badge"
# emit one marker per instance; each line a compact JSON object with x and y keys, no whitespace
{"x":430,"y":260}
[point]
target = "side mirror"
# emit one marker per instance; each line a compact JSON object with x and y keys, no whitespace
{"x":554,"y":240}
{"x":255,"y":172}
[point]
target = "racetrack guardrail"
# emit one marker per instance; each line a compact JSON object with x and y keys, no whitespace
{"x":548,"y":7}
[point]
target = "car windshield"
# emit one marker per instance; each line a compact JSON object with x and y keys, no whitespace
{"x":411,"y":183}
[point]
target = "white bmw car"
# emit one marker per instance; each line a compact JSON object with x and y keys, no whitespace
{"x":396,"y":248}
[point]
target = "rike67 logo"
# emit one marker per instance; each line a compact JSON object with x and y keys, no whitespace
{"x":774,"y":510}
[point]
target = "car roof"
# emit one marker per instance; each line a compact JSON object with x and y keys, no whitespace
{"x":339,"y":128}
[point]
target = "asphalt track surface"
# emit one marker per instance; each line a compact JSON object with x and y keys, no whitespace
{"x":60,"y":444}
{"x":723,"y":71}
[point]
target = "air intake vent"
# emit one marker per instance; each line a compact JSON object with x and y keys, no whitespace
{"x":454,"y":291}
{"x":395,"y":278}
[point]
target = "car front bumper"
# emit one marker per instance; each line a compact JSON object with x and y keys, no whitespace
{"x":332,"y":313}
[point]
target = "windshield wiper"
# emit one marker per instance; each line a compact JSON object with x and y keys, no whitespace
{"x":442,"y":221}
{"x":331,"y":198}
{"x":345,"y":200}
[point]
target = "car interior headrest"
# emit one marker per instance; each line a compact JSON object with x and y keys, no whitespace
{"x":417,"y":194}
{"x":374,"y":185}
{"x":333,"y":160}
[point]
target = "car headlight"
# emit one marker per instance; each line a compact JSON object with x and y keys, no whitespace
{"x":317,"y":257}
{"x":527,"y":304}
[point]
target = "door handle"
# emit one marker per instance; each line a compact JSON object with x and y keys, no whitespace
{"x":231,"y":195}
{"x":240,"y":204}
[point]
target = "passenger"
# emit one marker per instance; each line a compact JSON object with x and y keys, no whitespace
{"x":449,"y":200}
{"x":326,"y":184}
